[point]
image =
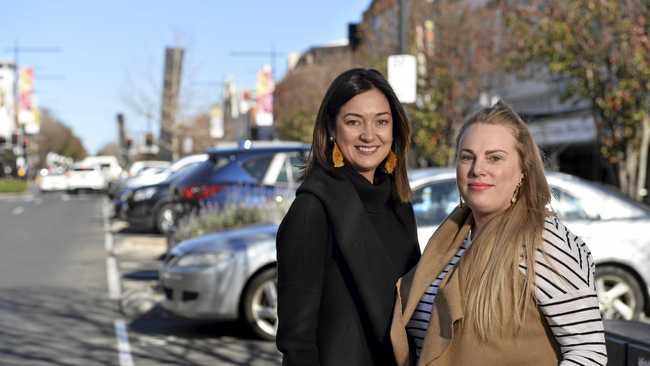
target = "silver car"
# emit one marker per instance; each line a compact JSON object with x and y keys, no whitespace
{"x":231,"y":274}
{"x":225,"y":276}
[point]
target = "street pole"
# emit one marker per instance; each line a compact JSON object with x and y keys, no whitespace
{"x":403,"y":27}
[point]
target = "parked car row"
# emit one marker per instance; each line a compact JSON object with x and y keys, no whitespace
{"x":93,"y":173}
{"x":246,"y":174}
{"x":96,"y":173}
{"x":231,"y":274}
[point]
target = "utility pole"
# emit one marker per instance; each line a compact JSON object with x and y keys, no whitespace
{"x":21,"y":160}
{"x":403,"y":27}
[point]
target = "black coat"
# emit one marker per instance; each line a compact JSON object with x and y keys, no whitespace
{"x":335,"y":282}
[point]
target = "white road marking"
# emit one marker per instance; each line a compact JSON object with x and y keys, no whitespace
{"x":17,"y":210}
{"x":65,"y":197}
{"x":115,"y":292}
{"x":112,"y":273}
{"x":123,"y":346}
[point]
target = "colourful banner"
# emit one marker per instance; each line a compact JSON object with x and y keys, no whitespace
{"x":7,"y":106}
{"x":28,"y":115}
{"x":264,"y":97}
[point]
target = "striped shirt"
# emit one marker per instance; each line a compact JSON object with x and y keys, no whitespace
{"x":419,"y":322}
{"x":565,"y":293}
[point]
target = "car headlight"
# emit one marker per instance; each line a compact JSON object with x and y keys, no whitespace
{"x":203,"y":259}
{"x":144,"y":194}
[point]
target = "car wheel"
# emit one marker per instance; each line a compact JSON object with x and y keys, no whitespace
{"x":619,"y":293}
{"x":260,"y":305}
{"x":165,"y":218}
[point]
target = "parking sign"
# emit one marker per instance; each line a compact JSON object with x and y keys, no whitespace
{"x":402,"y":77}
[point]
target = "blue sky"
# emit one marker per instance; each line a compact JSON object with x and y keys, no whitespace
{"x":110,"y":49}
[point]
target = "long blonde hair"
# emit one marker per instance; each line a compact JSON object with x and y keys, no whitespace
{"x":497,"y":295}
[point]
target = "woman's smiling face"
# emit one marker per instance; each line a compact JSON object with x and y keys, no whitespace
{"x":364,"y":131}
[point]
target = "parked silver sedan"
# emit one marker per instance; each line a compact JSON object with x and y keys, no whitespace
{"x":231,"y":274}
{"x":225,"y":276}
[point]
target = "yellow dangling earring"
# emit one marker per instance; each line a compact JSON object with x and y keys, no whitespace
{"x":337,"y":156}
{"x":391,"y":162}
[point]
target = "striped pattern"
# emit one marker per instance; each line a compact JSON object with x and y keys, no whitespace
{"x":565,"y":292}
{"x":417,"y":326}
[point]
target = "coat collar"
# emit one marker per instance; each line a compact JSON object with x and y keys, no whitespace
{"x":356,"y":239}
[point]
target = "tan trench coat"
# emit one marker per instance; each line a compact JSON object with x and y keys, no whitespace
{"x":446,"y":342}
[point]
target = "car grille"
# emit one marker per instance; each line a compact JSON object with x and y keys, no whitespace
{"x":190,"y":295}
{"x":186,"y":295}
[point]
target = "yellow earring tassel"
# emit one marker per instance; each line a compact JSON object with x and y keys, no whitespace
{"x":337,"y":156}
{"x":391,"y":162}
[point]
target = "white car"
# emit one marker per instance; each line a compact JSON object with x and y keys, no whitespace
{"x":160,"y":176}
{"x":54,"y":181}
{"x":139,"y":166}
{"x":108,"y":164}
{"x":614,"y":227}
{"x":85,"y":177}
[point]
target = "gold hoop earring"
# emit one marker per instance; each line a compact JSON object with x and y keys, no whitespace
{"x":391,"y":163}
{"x":337,"y":156}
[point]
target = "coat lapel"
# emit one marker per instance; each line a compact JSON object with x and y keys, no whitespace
{"x":356,"y":239}
{"x":447,"y":310}
{"x":442,"y":246}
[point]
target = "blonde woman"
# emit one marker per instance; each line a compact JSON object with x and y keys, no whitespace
{"x":502,"y":281}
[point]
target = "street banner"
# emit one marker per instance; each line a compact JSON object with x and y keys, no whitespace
{"x":27,"y":115}
{"x":402,"y":76}
{"x":264,"y":97}
{"x":7,"y":106}
{"x":216,"y":122}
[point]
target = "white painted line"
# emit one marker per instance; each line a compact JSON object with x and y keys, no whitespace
{"x":123,"y":347}
{"x":114,"y":293}
{"x":114,"y":288}
{"x":17,"y":210}
{"x":108,"y":242}
{"x":65,"y":198}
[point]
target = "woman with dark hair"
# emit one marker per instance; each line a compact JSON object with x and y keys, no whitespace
{"x":350,"y":233}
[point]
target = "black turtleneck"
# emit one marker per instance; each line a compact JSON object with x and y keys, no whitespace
{"x":378,"y":201}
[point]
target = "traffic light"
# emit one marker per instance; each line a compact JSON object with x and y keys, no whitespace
{"x":128,"y":143}
{"x":148,"y":139}
{"x":14,"y":138}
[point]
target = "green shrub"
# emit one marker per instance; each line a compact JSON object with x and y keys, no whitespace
{"x":231,"y":216}
{"x":12,"y":185}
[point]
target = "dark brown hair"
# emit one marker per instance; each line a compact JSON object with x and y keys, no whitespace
{"x":346,"y":86}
